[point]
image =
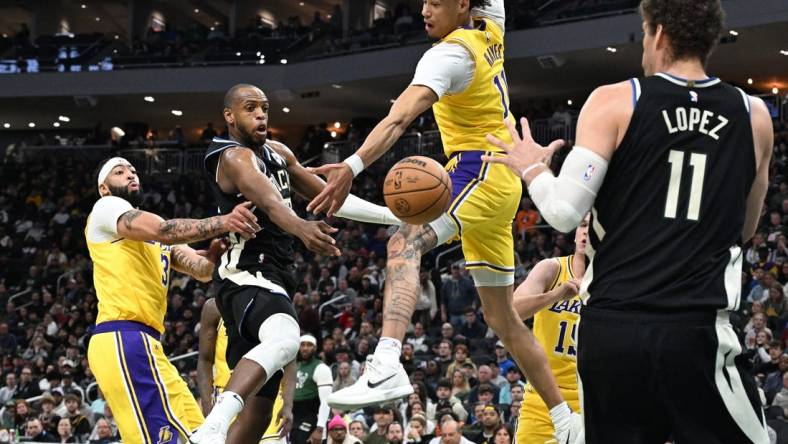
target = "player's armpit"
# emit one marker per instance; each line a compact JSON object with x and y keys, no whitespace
{"x":186,"y":260}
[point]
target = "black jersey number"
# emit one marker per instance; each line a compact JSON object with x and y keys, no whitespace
{"x":698,"y":163}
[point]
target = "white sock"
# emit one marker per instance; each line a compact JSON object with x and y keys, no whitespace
{"x":560,"y":415}
{"x":389,"y":350}
{"x":228,"y":406}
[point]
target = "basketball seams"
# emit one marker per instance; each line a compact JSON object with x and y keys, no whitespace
{"x":406,"y":198}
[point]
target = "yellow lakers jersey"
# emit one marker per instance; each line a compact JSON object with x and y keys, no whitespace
{"x":555,"y":328}
{"x":131,"y":280}
{"x":221,"y":372}
{"x":464,"y":119}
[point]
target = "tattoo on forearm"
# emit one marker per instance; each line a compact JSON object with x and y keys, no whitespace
{"x":193,"y":265}
{"x":404,"y":255}
{"x":129,"y":216}
{"x":179,"y":231}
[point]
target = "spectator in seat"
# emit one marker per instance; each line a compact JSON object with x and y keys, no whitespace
{"x":337,"y":432}
{"x":102,"y":433}
{"x":8,"y":391}
{"x":503,"y":434}
{"x":358,"y":429}
{"x":394,"y":433}
{"x":776,"y":307}
{"x":446,"y":400}
{"x":419,"y":339}
{"x":502,"y":360}
{"x":344,"y":377}
{"x":483,"y":432}
{"x":460,"y":358}
{"x":79,"y":423}
{"x":774,"y":380}
{"x":22,"y":414}
{"x":427,"y":305}
{"x":781,"y":400}
{"x":451,"y":433}
{"x":49,"y":420}
{"x":64,"y":432}
{"x":758,"y":326}
{"x":457,"y":294}
{"x":35,"y":431}
{"x":513,"y":377}
{"x":28,"y":387}
{"x":416,"y":431}
{"x":383,"y":416}
{"x":471,"y":326}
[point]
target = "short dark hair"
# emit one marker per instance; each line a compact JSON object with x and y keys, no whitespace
{"x":230,"y":95}
{"x":478,"y":3}
{"x":485,"y":388}
{"x":445,"y":383}
{"x":693,"y":26}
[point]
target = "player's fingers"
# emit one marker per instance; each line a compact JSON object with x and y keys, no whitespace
{"x":247,"y":204}
{"x":499,"y":143}
{"x":319,"y":202}
{"x":555,"y":145}
{"x":335,"y":206}
{"x":526,"y":130}
{"x":512,"y":131}
{"x":326,"y":228}
{"x":322,"y":169}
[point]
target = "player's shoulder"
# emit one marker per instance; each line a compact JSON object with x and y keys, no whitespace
{"x":547,"y":269}
{"x":109,"y":203}
{"x":283,"y":150}
{"x":612,"y":91}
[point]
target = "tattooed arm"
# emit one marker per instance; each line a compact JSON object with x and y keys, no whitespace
{"x":144,"y":226}
{"x":186,"y":260}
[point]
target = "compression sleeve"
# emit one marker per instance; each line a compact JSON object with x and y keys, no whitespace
{"x":360,"y":210}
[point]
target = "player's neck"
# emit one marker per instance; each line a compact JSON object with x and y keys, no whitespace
{"x":689,"y":69}
{"x":579,"y":265}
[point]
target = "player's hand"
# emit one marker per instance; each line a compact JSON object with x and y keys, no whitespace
{"x":215,"y":250}
{"x":568,"y":289}
{"x":339,"y":178}
{"x":524,"y":152}
{"x":242,"y":221}
{"x":315,"y":235}
{"x":316,"y":437}
{"x":284,"y":420}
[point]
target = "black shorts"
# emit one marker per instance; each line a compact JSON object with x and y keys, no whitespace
{"x":244,"y":308}
{"x":645,"y":377}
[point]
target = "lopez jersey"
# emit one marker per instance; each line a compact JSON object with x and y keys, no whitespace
{"x":263,"y":261}
{"x":666,"y":225}
{"x":555,"y":327}
{"x":131,"y":277}
{"x":465,"y":118}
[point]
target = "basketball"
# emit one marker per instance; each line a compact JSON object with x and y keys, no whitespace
{"x":417,"y":190}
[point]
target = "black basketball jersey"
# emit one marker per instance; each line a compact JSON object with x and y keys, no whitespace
{"x":265,"y":260}
{"x":666,"y":224}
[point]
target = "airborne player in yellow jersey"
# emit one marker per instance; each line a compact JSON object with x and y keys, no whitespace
{"x":550,"y":295}
{"x":132,"y":253}
{"x":213,"y":371}
{"x":462,"y":78}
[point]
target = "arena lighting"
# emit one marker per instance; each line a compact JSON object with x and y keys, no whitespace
{"x":84,"y":6}
{"x":117,"y":36}
{"x":149,"y":99}
{"x":569,"y":102}
{"x":31,"y":124}
{"x":98,"y":19}
{"x":334,"y":134}
{"x":258,"y":53}
{"x":286,"y":109}
{"x":283,"y":61}
{"x":337,"y":125}
{"x":733,"y":33}
{"x":196,"y":11}
{"x":177,"y":112}
{"x":301,"y":4}
{"x":56,"y":124}
{"x":775,"y":90}
{"x":611,"y":49}
{"x":63,"y":119}
{"x":336,"y":86}
{"x":783,"y":52}
{"x":238,"y":54}
{"x":392,"y":100}
{"x":6,"y":125}
{"x":749,"y":81}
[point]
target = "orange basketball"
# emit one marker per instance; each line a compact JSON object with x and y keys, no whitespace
{"x":417,"y":190}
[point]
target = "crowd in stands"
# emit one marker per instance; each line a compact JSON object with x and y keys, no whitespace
{"x":466,"y":386}
{"x":197,"y":44}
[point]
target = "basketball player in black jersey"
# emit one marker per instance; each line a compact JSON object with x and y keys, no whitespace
{"x":253,"y":282}
{"x":674,"y":168}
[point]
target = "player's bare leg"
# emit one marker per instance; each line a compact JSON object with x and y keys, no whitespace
{"x":384,"y":378}
{"x":518,"y":339}
{"x":251,"y":423}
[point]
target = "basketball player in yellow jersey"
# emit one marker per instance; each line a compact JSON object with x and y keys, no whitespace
{"x":462,"y":78}
{"x":550,"y":295}
{"x":132,"y":253}
{"x":213,"y":371}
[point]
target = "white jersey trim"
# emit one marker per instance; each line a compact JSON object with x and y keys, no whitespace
{"x":103,"y":220}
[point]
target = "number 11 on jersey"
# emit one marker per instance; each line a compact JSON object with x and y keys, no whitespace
{"x":698,"y":164}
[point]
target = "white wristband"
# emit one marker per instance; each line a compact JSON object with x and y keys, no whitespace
{"x":525,"y":171}
{"x":355,"y":163}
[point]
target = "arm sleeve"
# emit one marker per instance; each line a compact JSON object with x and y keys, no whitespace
{"x":103,"y":224}
{"x":446,"y":68}
{"x":360,"y":210}
{"x":565,"y":200}
{"x":322,"y":377}
{"x":494,"y":12}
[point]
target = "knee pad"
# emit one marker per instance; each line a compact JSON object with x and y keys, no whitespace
{"x":279,"y":341}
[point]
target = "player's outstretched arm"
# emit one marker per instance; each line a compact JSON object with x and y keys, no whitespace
{"x":209,"y":323}
{"x":239,"y":167}
{"x":763,"y":136}
{"x":309,"y":185}
{"x":531,"y":296}
{"x":284,"y":419}
{"x":410,"y":104}
{"x":144,"y":226}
